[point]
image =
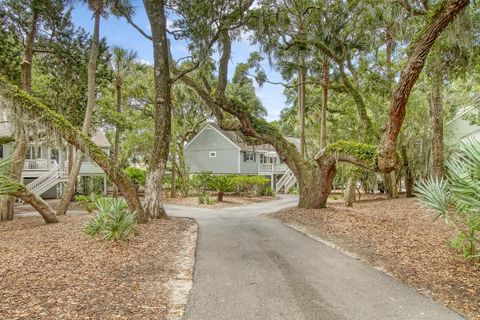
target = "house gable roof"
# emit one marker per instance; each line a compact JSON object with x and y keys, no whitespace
{"x":234,"y":138}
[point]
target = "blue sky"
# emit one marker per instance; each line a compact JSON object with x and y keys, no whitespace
{"x":119,"y":32}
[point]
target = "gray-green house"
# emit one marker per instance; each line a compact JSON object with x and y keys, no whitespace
{"x":223,"y":152}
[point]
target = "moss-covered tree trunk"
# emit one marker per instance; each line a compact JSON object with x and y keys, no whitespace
{"x":87,"y":121}
{"x":54,"y":121}
{"x":38,"y":204}
{"x":17,"y":158}
{"x":163,"y":112}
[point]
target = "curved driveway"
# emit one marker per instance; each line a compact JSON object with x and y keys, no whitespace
{"x":252,"y":267}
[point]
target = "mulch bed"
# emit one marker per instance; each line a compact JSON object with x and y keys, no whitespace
{"x":401,"y":238}
{"x":228,"y":201}
{"x":56,"y":272}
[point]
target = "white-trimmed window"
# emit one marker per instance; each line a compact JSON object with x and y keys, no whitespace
{"x":212,"y":154}
{"x":248,"y":156}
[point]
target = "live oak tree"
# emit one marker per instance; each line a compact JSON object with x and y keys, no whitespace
{"x":315,"y":178}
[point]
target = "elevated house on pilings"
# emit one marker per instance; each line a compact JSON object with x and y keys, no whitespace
{"x":45,"y":171}
{"x":224,"y":152}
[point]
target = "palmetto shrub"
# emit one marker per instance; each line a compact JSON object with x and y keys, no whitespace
{"x":113,"y":221}
{"x":456,"y":198}
{"x":222,"y":184}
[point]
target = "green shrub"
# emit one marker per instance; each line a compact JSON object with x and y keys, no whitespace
{"x":457,"y":197}
{"x":87,"y":202}
{"x":201,"y":182}
{"x":222,"y":184}
{"x":137,"y":176}
{"x":268,"y":192}
{"x":249,"y":184}
{"x":113,"y":221}
{"x":205,"y":199}
{"x":293,"y":190}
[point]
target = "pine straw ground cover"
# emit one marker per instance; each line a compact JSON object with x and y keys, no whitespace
{"x":228,"y":201}
{"x":56,"y":272}
{"x":400,"y":238}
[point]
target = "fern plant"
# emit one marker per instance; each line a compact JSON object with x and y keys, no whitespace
{"x":114,"y":221}
{"x":456,"y":198}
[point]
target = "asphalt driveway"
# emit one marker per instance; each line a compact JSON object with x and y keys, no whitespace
{"x":252,"y":267}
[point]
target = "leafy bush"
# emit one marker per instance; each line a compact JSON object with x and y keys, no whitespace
{"x":222,"y":184}
{"x":457,"y":197}
{"x":113,"y":221}
{"x":249,"y":184}
{"x":293,"y":190}
{"x":205,"y":199}
{"x":201,"y":182}
{"x":88,"y":202}
{"x":268,"y":191}
{"x":137,"y":176}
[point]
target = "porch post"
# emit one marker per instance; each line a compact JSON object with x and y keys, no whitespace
{"x":272,"y":183}
{"x":104,"y":185}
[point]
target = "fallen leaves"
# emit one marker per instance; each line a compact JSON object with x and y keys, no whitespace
{"x":404,"y":240}
{"x":55,"y":271}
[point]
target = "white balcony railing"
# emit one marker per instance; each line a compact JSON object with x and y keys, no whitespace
{"x":272,"y":168}
{"x":39,"y":164}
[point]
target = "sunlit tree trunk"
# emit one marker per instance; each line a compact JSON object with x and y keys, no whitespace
{"x":87,"y":121}
{"x":163,"y":110}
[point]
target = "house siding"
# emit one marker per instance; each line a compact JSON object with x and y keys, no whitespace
{"x":249,"y":167}
{"x":197,"y":156}
{"x":459,"y":130}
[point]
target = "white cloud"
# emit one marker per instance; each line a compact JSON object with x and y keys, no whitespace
{"x":144,"y":61}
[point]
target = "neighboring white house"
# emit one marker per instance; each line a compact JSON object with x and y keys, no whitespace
{"x":45,"y":169}
{"x":223,"y":152}
{"x":459,"y":128}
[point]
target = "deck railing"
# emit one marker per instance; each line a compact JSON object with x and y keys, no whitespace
{"x":272,"y":168}
{"x":39,"y":164}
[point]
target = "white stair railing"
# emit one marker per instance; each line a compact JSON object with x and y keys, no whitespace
{"x":287,"y":181}
{"x":290,"y":183}
{"x":47,"y":180}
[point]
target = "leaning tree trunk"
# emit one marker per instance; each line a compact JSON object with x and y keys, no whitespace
{"x":38,"y":204}
{"x":435,"y":104}
{"x":388,"y":159}
{"x":17,"y":158}
{"x":87,"y":121}
{"x":163,"y":110}
{"x":36,"y":110}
